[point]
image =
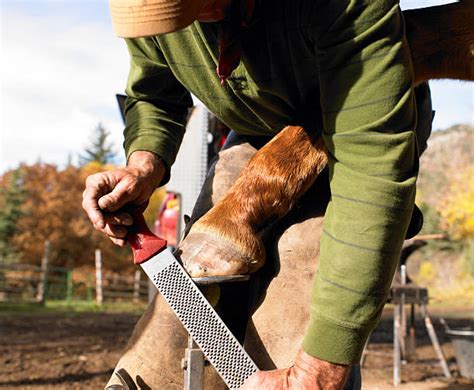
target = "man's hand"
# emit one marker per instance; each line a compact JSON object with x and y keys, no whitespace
{"x":108,"y":192}
{"x":307,"y":373}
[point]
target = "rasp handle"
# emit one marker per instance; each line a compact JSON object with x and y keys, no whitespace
{"x":144,"y":243}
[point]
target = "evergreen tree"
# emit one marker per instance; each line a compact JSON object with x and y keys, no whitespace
{"x":12,"y":197}
{"x":101,"y":149}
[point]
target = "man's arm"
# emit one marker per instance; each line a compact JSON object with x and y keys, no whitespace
{"x":369,"y":120}
{"x":157,"y":104}
{"x":156,"y":110}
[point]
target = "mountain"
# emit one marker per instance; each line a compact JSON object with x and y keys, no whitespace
{"x":449,"y":152}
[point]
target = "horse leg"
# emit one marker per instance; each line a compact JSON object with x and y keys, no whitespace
{"x":441,"y":41}
{"x":226,"y":241}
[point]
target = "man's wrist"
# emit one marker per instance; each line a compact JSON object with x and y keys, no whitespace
{"x":326,"y":375}
{"x":149,"y":165}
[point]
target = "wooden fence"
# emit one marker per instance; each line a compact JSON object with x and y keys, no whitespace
{"x":28,"y":283}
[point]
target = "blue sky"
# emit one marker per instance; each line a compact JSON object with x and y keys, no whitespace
{"x":61,"y":66}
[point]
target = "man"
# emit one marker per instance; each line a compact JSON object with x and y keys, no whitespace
{"x":341,"y":69}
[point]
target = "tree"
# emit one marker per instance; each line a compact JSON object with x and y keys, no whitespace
{"x":457,"y":206}
{"x":12,"y":197}
{"x":51,"y":210}
{"x":101,"y":149}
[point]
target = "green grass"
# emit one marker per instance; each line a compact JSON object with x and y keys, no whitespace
{"x":70,"y":308}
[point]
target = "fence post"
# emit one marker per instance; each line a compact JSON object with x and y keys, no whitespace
{"x":99,"y":297}
{"x":136,"y":286}
{"x":43,"y":284}
{"x":69,"y":286}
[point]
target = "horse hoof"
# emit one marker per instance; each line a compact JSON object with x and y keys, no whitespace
{"x":205,"y":254}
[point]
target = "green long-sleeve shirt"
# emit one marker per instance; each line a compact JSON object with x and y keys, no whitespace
{"x":342,"y":67}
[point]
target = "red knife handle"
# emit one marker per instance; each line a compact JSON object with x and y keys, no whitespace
{"x":144,"y":243}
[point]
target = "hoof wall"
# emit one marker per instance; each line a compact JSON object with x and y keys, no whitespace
{"x":205,"y":255}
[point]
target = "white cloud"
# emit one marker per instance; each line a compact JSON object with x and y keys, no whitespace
{"x":58,"y":82}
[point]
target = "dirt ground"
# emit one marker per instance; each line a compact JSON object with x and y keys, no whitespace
{"x":79,"y":351}
{"x":423,"y":371}
{"x":60,"y":351}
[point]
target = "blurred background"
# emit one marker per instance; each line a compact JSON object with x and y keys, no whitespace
{"x":69,"y":298}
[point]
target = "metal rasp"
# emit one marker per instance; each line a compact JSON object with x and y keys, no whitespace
{"x":197,"y":315}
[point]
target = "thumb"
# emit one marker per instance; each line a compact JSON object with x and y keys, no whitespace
{"x":119,"y":197}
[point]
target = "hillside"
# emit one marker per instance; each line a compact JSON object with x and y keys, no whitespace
{"x":445,"y":194}
{"x":449,"y":152}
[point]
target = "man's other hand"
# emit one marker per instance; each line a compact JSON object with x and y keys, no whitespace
{"x":307,"y":373}
{"x":108,"y":192}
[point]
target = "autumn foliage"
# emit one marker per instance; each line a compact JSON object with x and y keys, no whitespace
{"x":457,"y":206}
{"x":446,"y":183}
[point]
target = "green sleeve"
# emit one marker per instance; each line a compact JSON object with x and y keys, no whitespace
{"x":369,"y":118}
{"x":157,"y":104}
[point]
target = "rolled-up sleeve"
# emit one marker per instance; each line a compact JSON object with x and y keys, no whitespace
{"x":157,"y":104}
{"x":369,"y":118}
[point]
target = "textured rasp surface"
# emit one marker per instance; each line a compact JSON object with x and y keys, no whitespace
{"x":216,"y":341}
